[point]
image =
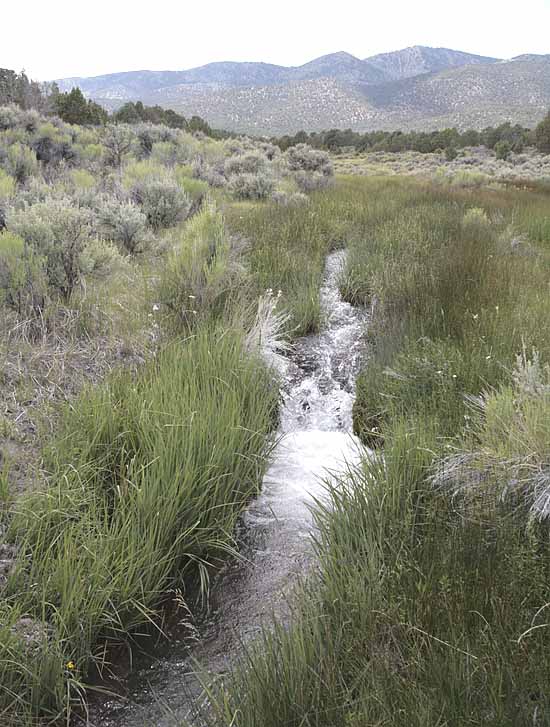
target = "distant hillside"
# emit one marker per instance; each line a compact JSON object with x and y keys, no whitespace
{"x":476,"y":96}
{"x":416,"y":87}
{"x":419,"y":59}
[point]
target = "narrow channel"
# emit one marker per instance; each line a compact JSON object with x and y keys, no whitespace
{"x":315,"y":439}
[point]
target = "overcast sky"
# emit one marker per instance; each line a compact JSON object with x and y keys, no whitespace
{"x":61,"y":38}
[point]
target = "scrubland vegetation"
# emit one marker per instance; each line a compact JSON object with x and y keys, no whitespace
{"x":137,"y":400}
{"x":139,"y":266}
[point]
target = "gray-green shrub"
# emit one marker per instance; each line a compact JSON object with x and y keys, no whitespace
{"x":201,"y":273}
{"x":124,"y":222}
{"x":303,"y":158}
{"x":57,"y":231}
{"x":252,"y":186}
{"x":162,"y":200}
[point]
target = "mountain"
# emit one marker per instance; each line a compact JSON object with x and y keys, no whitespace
{"x":340,"y":67}
{"x":469,"y":96}
{"x":419,"y":59}
{"x":414,"y":88}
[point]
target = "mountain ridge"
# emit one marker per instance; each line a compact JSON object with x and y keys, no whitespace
{"x":416,"y":87}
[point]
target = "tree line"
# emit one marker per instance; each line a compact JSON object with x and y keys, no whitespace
{"x":74,"y":108}
{"x":503,"y":139}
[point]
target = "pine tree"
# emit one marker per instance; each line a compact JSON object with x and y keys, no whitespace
{"x":542,"y":135}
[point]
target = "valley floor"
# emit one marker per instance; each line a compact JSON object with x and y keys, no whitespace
{"x":428,"y":603}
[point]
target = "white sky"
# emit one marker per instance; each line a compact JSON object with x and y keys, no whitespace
{"x":61,"y":38}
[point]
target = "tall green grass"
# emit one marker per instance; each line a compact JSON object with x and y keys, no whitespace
{"x":288,"y":245}
{"x":422,"y":615}
{"x":430,"y":599}
{"x":149,"y":475}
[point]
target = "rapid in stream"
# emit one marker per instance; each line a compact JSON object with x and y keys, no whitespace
{"x":315,"y":439}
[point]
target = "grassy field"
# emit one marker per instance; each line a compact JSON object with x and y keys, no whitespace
{"x":429,"y":607}
{"x":137,"y":402}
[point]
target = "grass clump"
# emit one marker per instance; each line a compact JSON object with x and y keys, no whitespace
{"x":148,"y":477}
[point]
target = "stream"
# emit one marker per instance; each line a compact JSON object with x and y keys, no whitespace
{"x":315,"y":439}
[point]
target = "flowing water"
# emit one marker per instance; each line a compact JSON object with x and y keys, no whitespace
{"x":315,"y":430}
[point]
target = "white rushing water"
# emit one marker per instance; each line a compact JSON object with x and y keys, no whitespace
{"x":316,"y":439}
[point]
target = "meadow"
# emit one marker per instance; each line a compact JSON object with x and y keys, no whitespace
{"x":138,"y":401}
{"x":140,"y":270}
{"x":429,"y":602}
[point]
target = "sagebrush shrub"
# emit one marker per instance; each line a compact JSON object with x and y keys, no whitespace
{"x":21,"y":162}
{"x":252,"y":186}
{"x":99,"y":259}
{"x":117,"y":143}
{"x":22,"y":275}
{"x":244,"y":164}
{"x":57,"y":231}
{"x":162,"y":200}
{"x":125,"y":223}
{"x":303,"y":158}
{"x":202,"y":271}
{"x":311,"y":181}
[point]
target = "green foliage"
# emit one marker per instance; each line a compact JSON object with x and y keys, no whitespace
{"x":132,"y":113}
{"x":450,"y":153}
{"x":148,"y":477}
{"x":251,"y":186}
{"x":432,"y":571}
{"x":420,"y":141}
{"x":7,"y":186}
{"x":542,"y":135}
{"x":126,"y":224}
{"x":100,"y":259}
{"x":73,"y":108}
{"x":202,"y":273}
{"x":117,"y":143}
{"x":21,"y":163}
{"x":162,"y":200}
{"x":245,"y":164}
{"x":16,"y":88}
{"x":22,"y":276}
{"x":302,"y":158}
{"x":195,"y":189}
{"x":502,"y":150}
{"x":57,"y":232}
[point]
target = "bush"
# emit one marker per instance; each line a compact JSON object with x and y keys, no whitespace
{"x":311,"y":181}
{"x":7,"y":189}
{"x":252,"y":186}
{"x":450,"y":153}
{"x":286,"y":199}
{"x":542,"y":135}
{"x":196,"y":189}
{"x":201,"y":273}
{"x":100,"y":259}
{"x":502,"y":150}
{"x":117,"y":142}
{"x":58,"y":232}
{"x":303,"y":158}
{"x":125,"y":223}
{"x":7,"y":186}
{"x":162,"y":201}
{"x":244,"y":164}
{"x":22,"y":278}
{"x":21,"y":163}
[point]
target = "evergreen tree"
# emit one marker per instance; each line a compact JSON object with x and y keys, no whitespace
{"x":542,"y":135}
{"x":73,"y":108}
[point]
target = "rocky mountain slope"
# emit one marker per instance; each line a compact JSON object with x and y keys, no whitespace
{"x":419,"y":59}
{"x":416,"y":87}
